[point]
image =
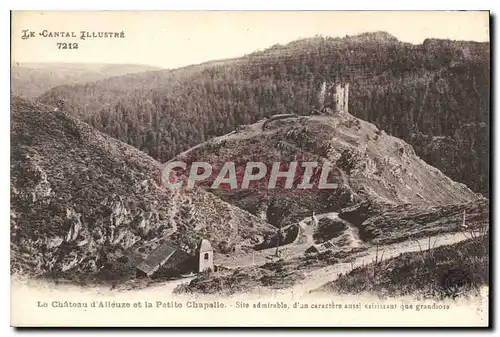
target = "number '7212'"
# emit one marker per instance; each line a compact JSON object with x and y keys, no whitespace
{"x":64,"y":45}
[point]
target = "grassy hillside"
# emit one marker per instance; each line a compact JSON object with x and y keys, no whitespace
{"x":443,"y":272}
{"x":434,"y":95}
{"x":388,"y":225}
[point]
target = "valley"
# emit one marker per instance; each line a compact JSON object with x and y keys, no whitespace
{"x":90,"y":206}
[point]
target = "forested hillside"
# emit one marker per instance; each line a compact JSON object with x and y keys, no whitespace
{"x":434,"y":95}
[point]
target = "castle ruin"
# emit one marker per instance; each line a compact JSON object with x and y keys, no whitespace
{"x":334,"y":97}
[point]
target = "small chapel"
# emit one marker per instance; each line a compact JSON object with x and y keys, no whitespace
{"x":170,"y":260}
{"x":205,"y":255}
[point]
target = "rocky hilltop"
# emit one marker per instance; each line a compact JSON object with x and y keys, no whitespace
{"x":82,"y":201}
{"x":370,"y":166}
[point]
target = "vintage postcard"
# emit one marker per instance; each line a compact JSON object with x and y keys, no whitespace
{"x":225,"y":168}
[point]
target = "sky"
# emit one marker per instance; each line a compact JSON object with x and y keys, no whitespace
{"x":175,"y":39}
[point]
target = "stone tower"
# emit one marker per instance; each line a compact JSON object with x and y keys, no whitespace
{"x":336,"y":97}
{"x":205,"y":256}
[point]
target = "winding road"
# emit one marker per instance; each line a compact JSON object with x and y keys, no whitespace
{"x":317,"y":277}
{"x":303,"y":241}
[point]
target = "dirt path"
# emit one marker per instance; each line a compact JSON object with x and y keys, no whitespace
{"x":318,"y":277}
{"x":250,"y":131}
{"x":286,"y":252}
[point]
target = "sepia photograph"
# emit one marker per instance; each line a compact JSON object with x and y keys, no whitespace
{"x":250,"y":168}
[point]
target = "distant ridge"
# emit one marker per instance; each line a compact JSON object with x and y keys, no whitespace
{"x":30,"y":80}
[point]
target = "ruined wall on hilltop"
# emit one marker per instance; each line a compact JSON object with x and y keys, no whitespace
{"x":336,"y":97}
